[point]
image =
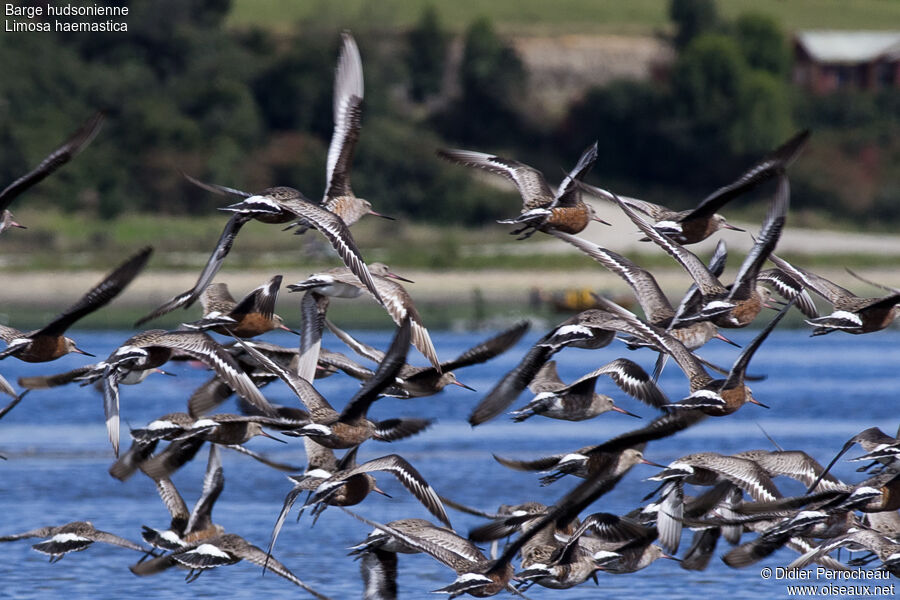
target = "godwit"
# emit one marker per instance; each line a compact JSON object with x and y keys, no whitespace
{"x":589,"y":329}
{"x":342,"y":283}
{"x":272,"y":205}
{"x":870,"y":439}
{"x":321,"y":464}
{"x":715,"y":397}
{"x":71,"y":537}
{"x":619,"y":545}
{"x":348,"y":484}
{"x":252,"y":316}
{"x":379,"y":540}
{"x":415,"y":382}
{"x":66,"y":152}
{"x":539,"y":551}
{"x":187,"y":528}
{"x":229,"y":549}
{"x":395,"y":464}
{"x":153,"y":348}
{"x":542,"y":210}
{"x":568,"y":508}
{"x":852,"y":313}
{"x":739,"y":305}
{"x":657,"y":308}
{"x":826,"y":523}
{"x":187,"y":440}
{"x":49,"y":343}
{"x":350,"y":427}
{"x":695,"y":225}
{"x":82,"y":374}
{"x":477,"y":575}
{"x":578,"y":400}
{"x":585,"y":463}
{"x":224,"y":429}
{"x":705,"y":468}
{"x":348,"y":99}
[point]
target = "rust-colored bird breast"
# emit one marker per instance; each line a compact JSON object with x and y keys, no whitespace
{"x":742,"y":314}
{"x":569,"y":219}
{"x":250,"y":325}
{"x":44,"y":349}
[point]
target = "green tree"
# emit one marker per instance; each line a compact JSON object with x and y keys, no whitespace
{"x":492,"y":76}
{"x":692,"y":18}
{"x":624,"y":117}
{"x":426,"y":55}
{"x":763,"y":43}
{"x":707,"y":81}
{"x":295,"y":91}
{"x":763,"y":117}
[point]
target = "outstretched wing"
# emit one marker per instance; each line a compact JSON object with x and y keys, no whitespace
{"x":100,"y":295}
{"x":348,"y":98}
{"x":531,"y":183}
{"x":70,"y":148}
{"x":223,"y":247}
{"x":771,"y":165}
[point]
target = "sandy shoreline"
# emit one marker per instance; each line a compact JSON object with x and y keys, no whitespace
{"x":57,"y":289}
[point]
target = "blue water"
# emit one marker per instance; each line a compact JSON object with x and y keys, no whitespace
{"x":821,"y":392}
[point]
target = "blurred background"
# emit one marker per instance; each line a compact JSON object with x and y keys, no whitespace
{"x":680,"y":95}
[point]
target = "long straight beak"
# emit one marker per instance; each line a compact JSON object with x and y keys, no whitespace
{"x":719,"y":336}
{"x":382,"y":492}
{"x":732,"y":227}
{"x":80,"y":351}
{"x":286,"y":328}
{"x":161,"y":372}
{"x":376,"y":214}
{"x":462,"y":385}
{"x":395,"y":276}
{"x":19,"y":225}
{"x":272,"y":437}
{"x":599,"y":220}
{"x":652,"y":464}
{"x":757,"y":402}
{"x":625,"y":412}
{"x":669,"y":556}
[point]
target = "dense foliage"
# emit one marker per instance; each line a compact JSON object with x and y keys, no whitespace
{"x":251,"y":108}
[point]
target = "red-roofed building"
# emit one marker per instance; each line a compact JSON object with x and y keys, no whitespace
{"x":826,"y":61}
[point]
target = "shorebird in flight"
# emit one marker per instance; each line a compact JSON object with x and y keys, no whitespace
{"x":542,"y":209}
{"x":48,"y":343}
{"x":66,"y":152}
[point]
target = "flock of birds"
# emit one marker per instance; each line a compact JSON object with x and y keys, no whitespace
{"x":557,"y":546}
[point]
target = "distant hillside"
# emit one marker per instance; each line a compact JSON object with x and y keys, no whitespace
{"x":561,"y":16}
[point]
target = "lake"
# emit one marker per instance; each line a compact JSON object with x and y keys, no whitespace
{"x":821,"y":392}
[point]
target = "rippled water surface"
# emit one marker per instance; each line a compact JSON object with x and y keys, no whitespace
{"x":821,"y":392}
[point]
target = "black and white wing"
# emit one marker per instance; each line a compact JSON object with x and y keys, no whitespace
{"x":348,"y":98}
{"x":223,"y":247}
{"x":531,"y":183}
